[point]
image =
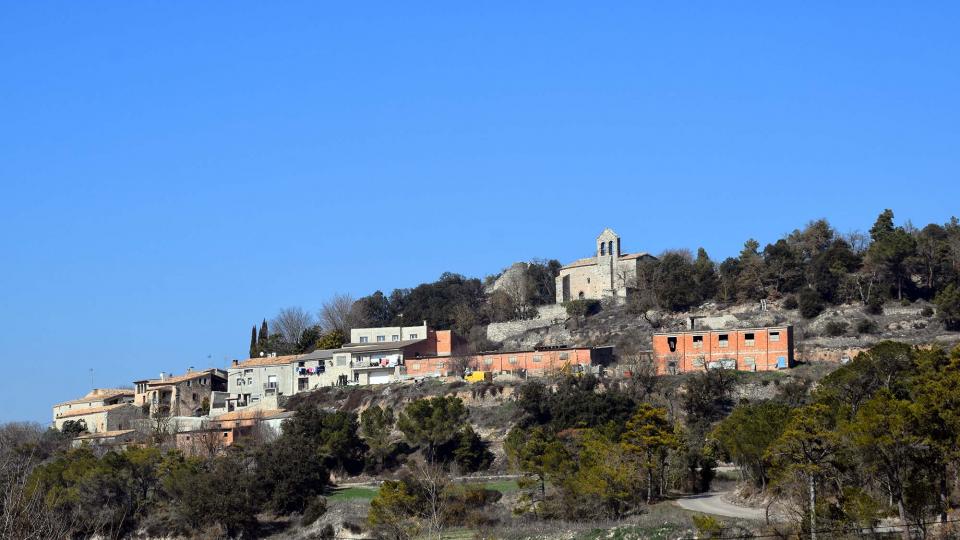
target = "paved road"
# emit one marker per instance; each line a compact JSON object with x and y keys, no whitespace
{"x":713,"y":503}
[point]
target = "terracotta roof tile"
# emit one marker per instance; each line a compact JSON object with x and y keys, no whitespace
{"x":268,"y":361}
{"x":93,"y":410}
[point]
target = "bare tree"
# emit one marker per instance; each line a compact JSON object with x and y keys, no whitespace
{"x":292,"y":322}
{"x":434,"y":481}
{"x":516,"y":284}
{"x":336,"y":313}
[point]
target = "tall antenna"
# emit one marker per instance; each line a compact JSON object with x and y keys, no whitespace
{"x":91,"y":378}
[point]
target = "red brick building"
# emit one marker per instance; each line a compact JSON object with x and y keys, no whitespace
{"x":535,"y":362}
{"x":745,"y":349}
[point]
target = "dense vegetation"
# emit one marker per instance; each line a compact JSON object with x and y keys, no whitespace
{"x":55,"y":491}
{"x":879,"y":437}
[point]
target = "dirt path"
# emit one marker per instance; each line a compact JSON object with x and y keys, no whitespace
{"x":713,"y":503}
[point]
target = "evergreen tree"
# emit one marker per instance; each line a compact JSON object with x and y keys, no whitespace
{"x":264,"y":337}
{"x":705,"y":276}
{"x":254,"y":348}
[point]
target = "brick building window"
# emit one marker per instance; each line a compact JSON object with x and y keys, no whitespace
{"x":672,"y":343}
{"x":723,"y":340}
{"x":774,"y":336}
{"x":488,"y":361}
{"x":748,"y":339}
{"x":512,"y":360}
{"x":564,"y":356}
{"x":537,"y":358}
{"x":698,"y":342}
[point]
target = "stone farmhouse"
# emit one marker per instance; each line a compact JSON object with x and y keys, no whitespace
{"x":101,"y":410}
{"x":609,"y":273}
{"x":183,"y":395}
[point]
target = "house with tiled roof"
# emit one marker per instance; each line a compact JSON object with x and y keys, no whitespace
{"x":103,"y":409}
{"x":181,"y":395}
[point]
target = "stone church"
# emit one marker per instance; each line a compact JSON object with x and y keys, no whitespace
{"x":609,"y":273}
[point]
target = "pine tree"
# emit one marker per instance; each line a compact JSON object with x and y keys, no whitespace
{"x":254,"y":349}
{"x":263,"y":337}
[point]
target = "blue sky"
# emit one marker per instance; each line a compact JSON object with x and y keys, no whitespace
{"x":173,"y":172}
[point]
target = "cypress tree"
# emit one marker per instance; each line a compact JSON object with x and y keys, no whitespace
{"x":254,"y":350}
{"x":264,"y":336}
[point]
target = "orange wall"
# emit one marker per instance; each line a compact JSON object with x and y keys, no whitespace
{"x":535,"y":362}
{"x":687,"y":355}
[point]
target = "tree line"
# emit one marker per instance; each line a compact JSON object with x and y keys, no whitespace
{"x":808,"y":269}
{"x":53,"y":490}
{"x":879,"y":437}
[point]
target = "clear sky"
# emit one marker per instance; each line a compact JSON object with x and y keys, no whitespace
{"x":173,"y":172}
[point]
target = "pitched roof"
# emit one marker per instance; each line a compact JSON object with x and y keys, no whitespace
{"x":105,"y":434}
{"x":268,"y":361}
{"x":98,"y":394}
{"x":590,"y":261}
{"x":180,"y":378}
{"x":249,"y":414}
{"x":379,"y":346}
{"x":93,"y":410}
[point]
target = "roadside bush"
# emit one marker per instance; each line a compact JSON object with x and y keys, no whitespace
{"x":810,"y":304}
{"x":582,"y":308}
{"x":835,"y":328}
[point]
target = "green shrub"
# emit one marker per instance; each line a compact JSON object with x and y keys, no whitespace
{"x":866,"y":326}
{"x":582,"y":308}
{"x":874,"y":306}
{"x":810,"y":303}
{"x":315,"y":508}
{"x":927,"y":311}
{"x":835,"y":328}
{"x":790,"y":302}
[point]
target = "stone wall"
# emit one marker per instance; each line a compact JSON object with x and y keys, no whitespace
{"x":547,"y":315}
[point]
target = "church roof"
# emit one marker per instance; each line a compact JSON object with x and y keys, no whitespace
{"x":590,"y":261}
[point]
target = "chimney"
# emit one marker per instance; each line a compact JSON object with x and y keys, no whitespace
{"x":190,"y":369}
{"x":163,"y":376}
{"x":235,"y":362}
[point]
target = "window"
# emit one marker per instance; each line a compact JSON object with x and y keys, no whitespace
{"x":488,"y":361}
{"x":394,"y":337}
{"x":415,"y":366}
{"x":247,"y":371}
{"x":413,"y":336}
{"x":188,"y":383}
{"x":537,"y":357}
{"x":774,"y":336}
{"x":698,"y":342}
{"x":249,"y":380}
{"x":672,"y":343}
{"x":225,"y":434}
{"x":341,"y":359}
{"x":588,"y":280}
{"x":603,"y":249}
{"x":748,"y":339}
{"x":381,"y":339}
{"x":240,"y":381}
{"x":301,"y":364}
{"x":723,"y":339}
{"x":194,"y":396}
{"x":512,"y":359}
{"x":363,"y":339}
{"x":203,"y":381}
{"x":564,"y":356}
{"x":302,"y":384}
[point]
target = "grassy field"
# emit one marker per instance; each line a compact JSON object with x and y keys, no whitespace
{"x":363,"y":493}
{"x":353,"y":493}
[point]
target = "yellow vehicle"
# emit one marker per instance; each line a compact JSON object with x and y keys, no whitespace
{"x":478,"y":376}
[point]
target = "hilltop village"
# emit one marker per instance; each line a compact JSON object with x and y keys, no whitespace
{"x":646,"y":396}
{"x":231,"y":401}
